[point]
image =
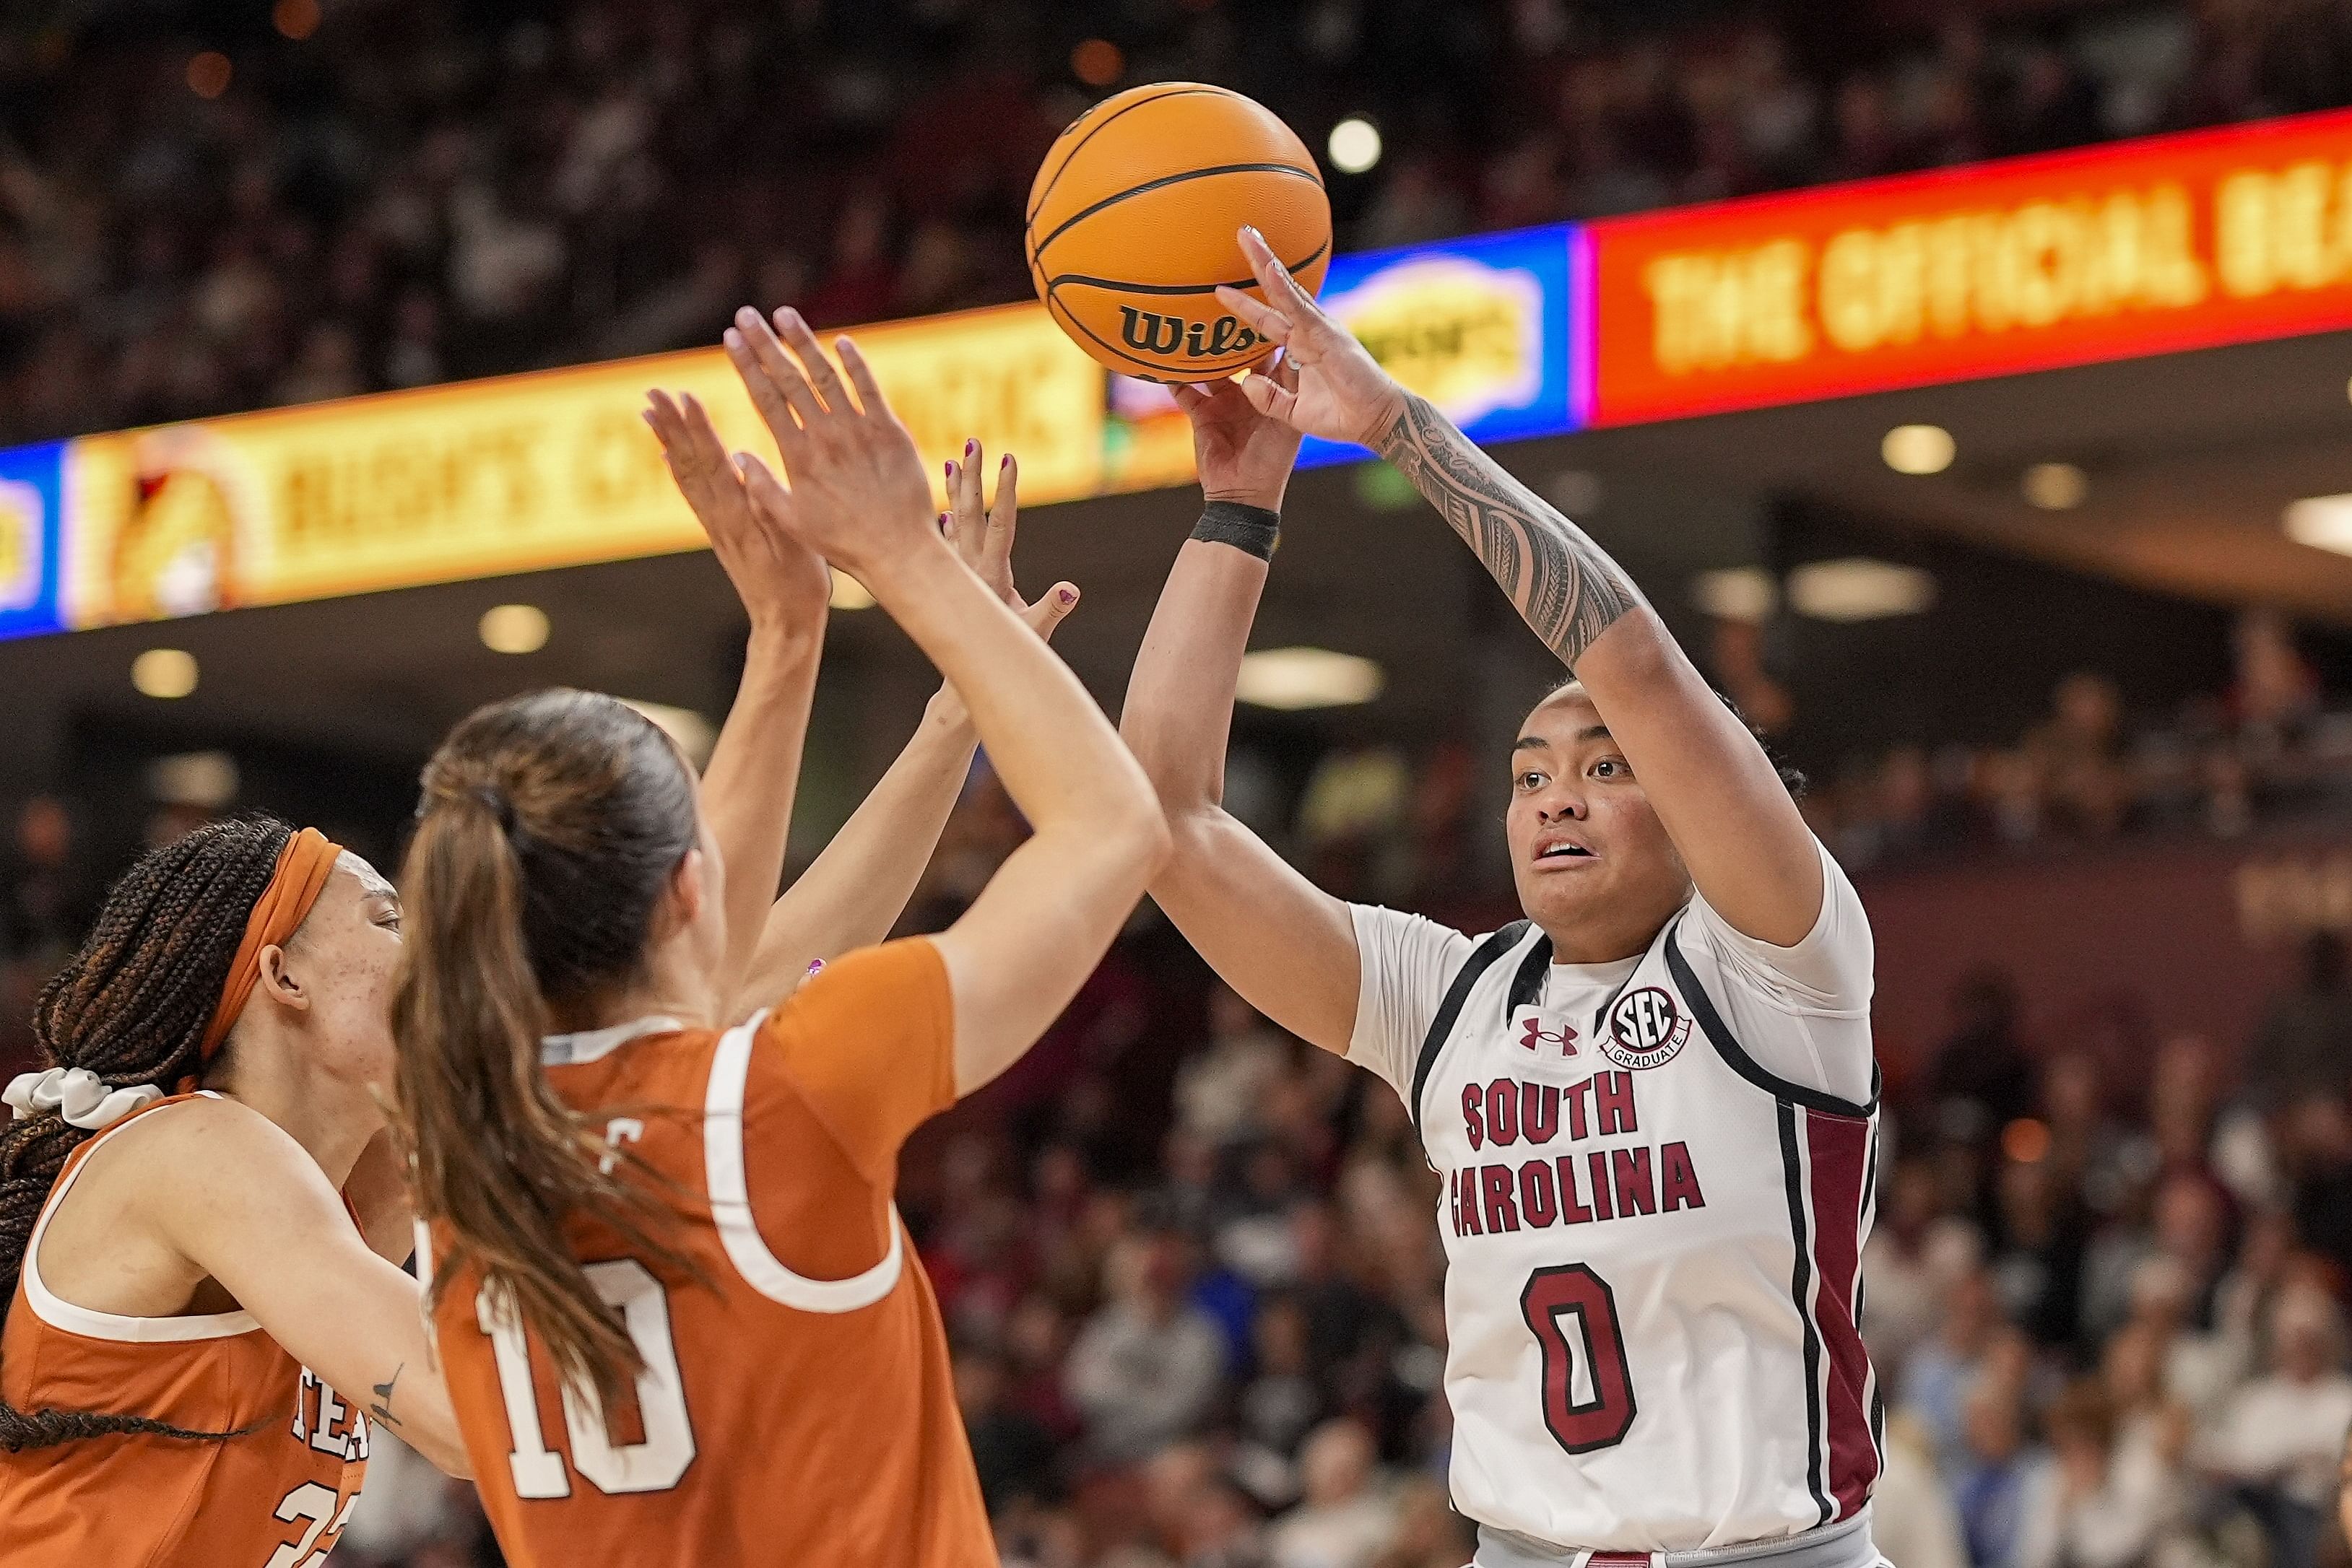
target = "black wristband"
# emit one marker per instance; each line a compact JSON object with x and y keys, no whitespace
{"x":1251,"y":529}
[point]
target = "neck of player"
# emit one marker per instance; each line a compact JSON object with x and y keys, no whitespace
{"x":279,"y":1072}
{"x":676,"y":983}
{"x":1607,"y":933}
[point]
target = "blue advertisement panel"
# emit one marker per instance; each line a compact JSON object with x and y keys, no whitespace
{"x":1480,"y":327}
{"x":31,"y":499}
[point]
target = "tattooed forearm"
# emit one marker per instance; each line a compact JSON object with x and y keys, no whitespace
{"x":381,"y":1408}
{"x":1566,"y":588}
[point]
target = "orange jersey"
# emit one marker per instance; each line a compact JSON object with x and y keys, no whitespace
{"x":274,"y":1497}
{"x":795,"y":1405}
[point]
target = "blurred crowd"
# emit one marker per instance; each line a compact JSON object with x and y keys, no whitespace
{"x":206,"y":208}
{"x":2266,"y":751}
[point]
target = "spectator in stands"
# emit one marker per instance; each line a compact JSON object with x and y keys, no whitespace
{"x":1221,"y":1090}
{"x":1981,"y":1078}
{"x":2279,"y":1440}
{"x":1147,"y":1367}
{"x":2302,"y":1048}
{"x":2000,"y":1478}
{"x":1942,"y":1370}
{"x":1347,"y":1517}
{"x":1012,"y":1449}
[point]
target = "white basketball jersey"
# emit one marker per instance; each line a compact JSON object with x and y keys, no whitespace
{"x":1654,"y":1243}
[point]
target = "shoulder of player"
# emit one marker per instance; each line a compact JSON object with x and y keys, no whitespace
{"x":893,"y":971}
{"x":185,"y":1165}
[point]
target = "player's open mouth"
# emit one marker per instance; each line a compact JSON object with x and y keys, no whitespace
{"x":1565,"y":849}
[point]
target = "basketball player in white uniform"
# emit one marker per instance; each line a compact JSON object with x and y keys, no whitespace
{"x":1652,"y":1101}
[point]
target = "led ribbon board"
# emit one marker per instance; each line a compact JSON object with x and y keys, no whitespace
{"x":2136,"y":248}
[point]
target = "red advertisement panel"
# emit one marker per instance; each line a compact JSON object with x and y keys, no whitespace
{"x":2142,"y":248}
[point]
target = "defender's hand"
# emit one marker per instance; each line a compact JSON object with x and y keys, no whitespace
{"x":856,"y":492}
{"x":782,"y":582}
{"x":1341,"y":392}
{"x":983,"y":536}
{"x":1243,"y":455}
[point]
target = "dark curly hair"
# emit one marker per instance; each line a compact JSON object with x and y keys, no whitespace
{"x":131,"y":1006}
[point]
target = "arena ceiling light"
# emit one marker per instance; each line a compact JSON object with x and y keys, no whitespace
{"x":1355,"y":145}
{"x":1296,"y":678}
{"x":1918,"y":449}
{"x":514,"y":629}
{"x":166,"y":674}
{"x":1737,"y":593}
{"x":1858,"y":588}
{"x":207,"y":780}
{"x":2323,"y":522}
{"x":2055,"y":487}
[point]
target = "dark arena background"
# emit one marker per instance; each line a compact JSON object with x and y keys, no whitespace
{"x":1968,"y":384}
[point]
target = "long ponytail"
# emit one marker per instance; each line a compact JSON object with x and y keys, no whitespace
{"x":549,"y":828}
{"x":131,"y":1006}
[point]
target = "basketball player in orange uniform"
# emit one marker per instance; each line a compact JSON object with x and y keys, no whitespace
{"x":189,"y":1296}
{"x":200,"y":1330}
{"x":673,"y":1300}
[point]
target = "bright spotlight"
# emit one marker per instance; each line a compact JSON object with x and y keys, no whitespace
{"x":165,"y":673}
{"x":1355,"y":145}
{"x":514,"y":629}
{"x":1917,"y":449}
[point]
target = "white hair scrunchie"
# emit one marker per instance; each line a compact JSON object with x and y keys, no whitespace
{"x":77,"y":1094}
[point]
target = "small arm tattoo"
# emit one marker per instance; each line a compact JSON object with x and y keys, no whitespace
{"x":1566,"y":588}
{"x":381,"y":1408}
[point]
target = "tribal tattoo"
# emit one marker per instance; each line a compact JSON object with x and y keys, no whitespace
{"x":1566,"y":588}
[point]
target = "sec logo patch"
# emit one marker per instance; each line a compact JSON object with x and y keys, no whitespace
{"x":1645,"y":1029}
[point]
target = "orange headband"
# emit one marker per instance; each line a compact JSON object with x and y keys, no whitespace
{"x":303,"y":867}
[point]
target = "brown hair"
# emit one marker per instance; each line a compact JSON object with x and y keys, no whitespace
{"x":132,"y":1007}
{"x":549,"y":830}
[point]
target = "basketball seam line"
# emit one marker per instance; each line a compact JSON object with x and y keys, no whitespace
{"x":1029,"y":219}
{"x":1165,"y":180}
{"x":1179,"y":288}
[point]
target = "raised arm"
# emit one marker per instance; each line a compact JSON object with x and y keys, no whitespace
{"x":858,"y":885}
{"x":1717,"y":793}
{"x":755,"y":768}
{"x":1045,"y":920}
{"x":1286,"y":946}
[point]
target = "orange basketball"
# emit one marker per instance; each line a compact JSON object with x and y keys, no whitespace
{"x":1132,"y":222}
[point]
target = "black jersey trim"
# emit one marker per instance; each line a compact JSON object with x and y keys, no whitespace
{"x":1449,"y":1012}
{"x":1800,"y":1290}
{"x":1735,"y":1055}
{"x":1526,"y":986}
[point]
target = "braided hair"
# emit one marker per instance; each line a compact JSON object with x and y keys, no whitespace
{"x":131,"y":1006}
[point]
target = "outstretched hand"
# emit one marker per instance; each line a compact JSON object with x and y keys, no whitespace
{"x":781,"y":581}
{"x":1241,"y":453}
{"x":856,"y":492}
{"x":1339,"y":392}
{"x":982,"y":535}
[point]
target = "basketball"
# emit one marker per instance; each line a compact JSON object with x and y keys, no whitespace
{"x":1132,"y":222}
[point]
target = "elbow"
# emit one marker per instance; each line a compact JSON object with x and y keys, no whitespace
{"x":1144,"y":841}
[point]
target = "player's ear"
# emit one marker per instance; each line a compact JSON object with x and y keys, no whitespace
{"x":279,"y":983}
{"x":689,"y":889}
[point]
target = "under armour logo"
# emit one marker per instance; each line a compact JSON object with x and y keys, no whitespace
{"x":1537,"y":1036}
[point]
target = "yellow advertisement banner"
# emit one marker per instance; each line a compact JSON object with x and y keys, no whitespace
{"x":519,"y":473}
